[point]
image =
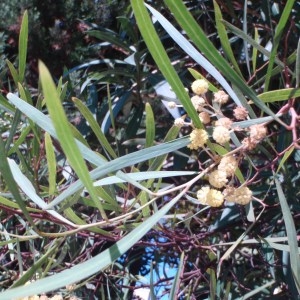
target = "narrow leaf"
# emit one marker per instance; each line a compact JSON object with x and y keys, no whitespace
{"x":291,"y":233}
{"x":150,"y":126}
{"x":23,"y":39}
{"x":51,"y":162}
{"x":65,"y":135}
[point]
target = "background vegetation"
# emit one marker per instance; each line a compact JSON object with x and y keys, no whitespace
{"x":98,"y":189}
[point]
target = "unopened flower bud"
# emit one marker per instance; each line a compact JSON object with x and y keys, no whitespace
{"x":204,"y":117}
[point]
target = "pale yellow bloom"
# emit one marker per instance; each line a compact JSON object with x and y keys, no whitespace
{"x":198,"y":138}
{"x":242,"y":195}
{"x":217,"y":178}
{"x":221,"y":97}
{"x":199,"y":86}
{"x":211,"y":197}
{"x":228,"y":164}
{"x":221,"y":135}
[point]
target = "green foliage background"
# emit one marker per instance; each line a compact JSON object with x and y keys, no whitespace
{"x":98,"y":188}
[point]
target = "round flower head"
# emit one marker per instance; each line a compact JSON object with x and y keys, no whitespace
{"x":198,"y":102}
{"x":211,"y":197}
{"x":225,"y":122}
{"x":240,"y":113}
{"x":242,"y":195}
{"x":204,"y":117}
{"x":221,"y":97}
{"x":198,"y":138}
{"x":217,"y":178}
{"x":199,"y":86}
{"x":202,"y":194}
{"x":258,"y":132}
{"x":228,"y":164}
{"x":221,"y":135}
{"x":179,"y":122}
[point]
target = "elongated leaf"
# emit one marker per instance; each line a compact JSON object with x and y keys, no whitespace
{"x":65,"y":135}
{"x":279,"y":95}
{"x":23,"y":39}
{"x":29,"y":190}
{"x":109,"y":37}
{"x":9,"y":179}
{"x":95,"y":127}
{"x":257,"y":290}
{"x":51,"y":162}
{"x":297,"y":66}
{"x":93,"y":265}
{"x":291,"y":233}
{"x":150,"y":126}
{"x":176,"y":282}
{"x":285,"y":16}
{"x":13,"y":72}
{"x":253,"y":42}
{"x":224,"y":38}
{"x":254,"y":51}
{"x":139,"y":176}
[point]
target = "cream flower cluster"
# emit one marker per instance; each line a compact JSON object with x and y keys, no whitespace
{"x":241,"y":195}
{"x":257,"y":133}
{"x":198,"y":138}
{"x":211,"y":197}
{"x":218,"y":179}
{"x":221,"y":177}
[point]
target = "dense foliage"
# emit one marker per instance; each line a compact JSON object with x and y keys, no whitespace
{"x":158,"y":153}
